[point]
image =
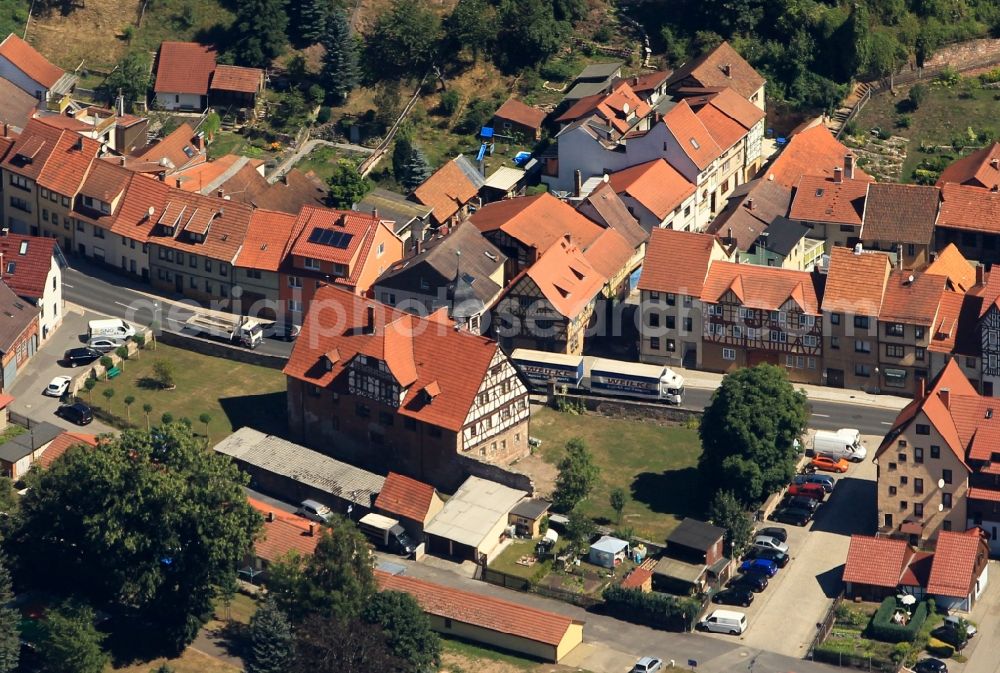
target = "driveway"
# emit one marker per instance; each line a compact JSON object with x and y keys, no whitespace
{"x":44,"y":366}
{"x":981,"y":650}
{"x":798,"y":597}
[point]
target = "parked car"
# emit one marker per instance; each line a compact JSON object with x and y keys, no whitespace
{"x":768,"y":542}
{"x":777,"y":532}
{"x":814,"y":491}
{"x":724,"y":621}
{"x":78,"y":413}
{"x":801,"y":502}
{"x":755,"y":582}
{"x":315,"y":511}
{"x":955,"y":621}
{"x":734,"y":596}
{"x":824,"y":480}
{"x":286,"y":330}
{"x":75,"y":357}
{"x":780,"y":559}
{"x":105,"y":345}
{"x":647,"y":665}
{"x":931,"y":665}
{"x":951,"y":634}
{"x":828,"y":464}
{"x":793,"y":515}
{"x":759,"y":565}
{"x":57,"y":387}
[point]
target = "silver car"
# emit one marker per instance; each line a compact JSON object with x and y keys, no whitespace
{"x":315,"y":511}
{"x":767,"y":542}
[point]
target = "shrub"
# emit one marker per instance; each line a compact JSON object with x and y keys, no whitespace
{"x":450,"y":100}
{"x":900,"y":651}
{"x":904,"y":121}
{"x":324,"y":115}
{"x":882,"y":628}
{"x":918,"y":94}
{"x":557,"y":69}
{"x":939,"y":648}
{"x":654,"y":609}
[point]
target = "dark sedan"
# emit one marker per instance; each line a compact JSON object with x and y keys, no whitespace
{"x":793,"y":515}
{"x":752,"y":581}
{"x":780,"y":558}
{"x":931,"y":665}
{"x":802,"y":502}
{"x":777,"y":532}
{"x":78,"y":413}
{"x":75,"y":357}
{"x":734,"y":596}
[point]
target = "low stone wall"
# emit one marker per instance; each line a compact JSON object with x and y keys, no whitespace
{"x":633,"y":410}
{"x":218,"y":349}
{"x":498,"y":473}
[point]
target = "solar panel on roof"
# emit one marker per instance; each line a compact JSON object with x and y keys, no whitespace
{"x":330,"y":238}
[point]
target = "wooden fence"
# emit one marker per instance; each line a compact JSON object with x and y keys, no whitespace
{"x":524,"y":585}
{"x":369,"y":164}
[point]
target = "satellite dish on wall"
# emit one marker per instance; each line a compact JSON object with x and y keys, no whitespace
{"x":625,"y":108}
{"x":940,"y":483}
{"x":940,"y":507}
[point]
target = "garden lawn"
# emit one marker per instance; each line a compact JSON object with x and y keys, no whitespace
{"x":233,"y":393}
{"x":190,"y":661}
{"x":323,"y":159}
{"x":655,"y":464}
{"x":944,"y":118}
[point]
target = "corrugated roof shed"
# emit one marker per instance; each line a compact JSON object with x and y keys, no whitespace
{"x":282,"y":457}
{"x":470,"y":514}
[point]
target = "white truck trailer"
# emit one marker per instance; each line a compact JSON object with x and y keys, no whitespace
{"x":238,"y":329}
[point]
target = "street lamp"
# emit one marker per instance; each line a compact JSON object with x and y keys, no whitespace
{"x":877,"y":380}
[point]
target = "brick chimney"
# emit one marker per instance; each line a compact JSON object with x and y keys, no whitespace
{"x":849,"y":166}
{"x":921,"y":388}
{"x":980,"y":274}
{"x":312,"y":529}
{"x":727,"y":70}
{"x":945,"y":395}
{"x":370,"y":320}
{"x":838,"y":175}
{"x":750,"y":203}
{"x":577,"y":183}
{"x":270,"y":517}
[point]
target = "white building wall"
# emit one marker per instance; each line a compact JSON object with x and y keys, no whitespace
{"x":178,"y":101}
{"x":52,"y":303}
{"x":13,"y":74}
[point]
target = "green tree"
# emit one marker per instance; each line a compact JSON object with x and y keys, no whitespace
{"x":577,"y":475}
{"x":407,"y":628}
{"x":9,"y":506}
{"x":130,"y":78}
{"x":259,"y":32}
{"x":167,"y":418}
{"x":108,"y":394}
{"x":148,"y":520}
{"x":409,"y":164}
{"x":211,"y":125}
{"x":918,"y":94}
{"x":122,"y":353}
{"x":129,"y":400}
{"x":163,"y":371}
{"x":320,"y":647}
{"x":340,"y":60}
{"x":69,"y":641}
{"x":727,"y":513}
{"x":205,"y":419}
{"x":270,"y":640}
{"x":748,"y":433}
{"x":472,"y":25}
{"x":10,"y":623}
{"x":347,"y":185}
{"x":147,"y":409}
{"x":579,"y":529}
{"x":337,"y":580}
{"x":529,"y":33}
{"x":312,"y":18}
{"x":885,"y":53}
{"x":89,"y":385}
{"x":404,"y":40}
{"x":617,"y":499}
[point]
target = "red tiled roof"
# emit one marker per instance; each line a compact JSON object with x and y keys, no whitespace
{"x":405,"y":497}
{"x":565,"y":277}
{"x":820,"y":199}
{"x":283,"y":534}
{"x":918,"y":570}
{"x":969,"y":208}
{"x":236,"y":78}
{"x":723,"y":66}
{"x":657,"y":185}
{"x":691,"y":135}
{"x":223,"y":224}
{"x":987,"y":494}
{"x":914,"y":303}
{"x":979,"y":169}
{"x":725,"y":130}
{"x":456,"y":360}
{"x":37,"y":143}
{"x":5,"y":400}
{"x":956,"y":557}
{"x":361,"y":227}
{"x":811,"y":152}
{"x":945,"y":329}
{"x":537,"y":221}
{"x":196,"y":178}
{"x":637,"y":578}
{"x":876,"y":561}
{"x":620,"y":106}
{"x":735,"y":106}
{"x":105,"y":181}
{"x":896,"y":214}
{"x":648,"y":81}
{"x":184,"y":67}
{"x":142,"y":195}
{"x":951,"y":264}
{"x":29,"y":61}
{"x":267,"y":238}
{"x":446,"y":192}
{"x":610,"y":253}
{"x":61,"y":444}
{"x":761,"y":287}
{"x":68,"y":165}
{"x":31,"y":267}
{"x":677,"y":261}
{"x":177,"y":148}
{"x":494,"y":614}
{"x":604,"y":206}
{"x":520,"y":113}
{"x":856,"y":283}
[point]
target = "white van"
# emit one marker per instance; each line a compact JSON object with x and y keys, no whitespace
{"x":724,"y":621}
{"x":844,"y":443}
{"x":116,"y":328}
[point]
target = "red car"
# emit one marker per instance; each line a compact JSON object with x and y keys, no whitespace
{"x":828,"y":464}
{"x":814,"y":491}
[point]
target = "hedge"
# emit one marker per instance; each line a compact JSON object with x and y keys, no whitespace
{"x":939,"y":648}
{"x":652,"y":609}
{"x":882,"y":628}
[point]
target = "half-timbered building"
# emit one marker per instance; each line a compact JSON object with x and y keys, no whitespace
{"x":385,"y":389}
{"x":754,"y":315}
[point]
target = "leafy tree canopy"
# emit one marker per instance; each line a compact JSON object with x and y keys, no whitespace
{"x":726,"y":512}
{"x":130,"y":78}
{"x":577,"y":475}
{"x":10,"y":624}
{"x":404,"y":40}
{"x":70,"y":642}
{"x":259,"y":31}
{"x":407,"y":629}
{"x":271,"y":642}
{"x":347,"y":185}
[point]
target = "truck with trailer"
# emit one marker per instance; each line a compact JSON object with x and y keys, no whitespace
{"x":600,"y":376}
{"x":112,"y":328}
{"x":386,"y":533}
{"x":237,"y":329}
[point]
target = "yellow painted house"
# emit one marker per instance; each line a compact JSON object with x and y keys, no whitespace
{"x":492,"y":621}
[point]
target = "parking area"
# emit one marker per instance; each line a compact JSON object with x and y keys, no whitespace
{"x":45,"y":365}
{"x":797,"y":598}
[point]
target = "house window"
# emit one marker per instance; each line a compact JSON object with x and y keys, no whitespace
{"x":892,"y":466}
{"x":887,"y":520}
{"x":903,"y":505}
{"x":654,"y":319}
{"x":918,"y":509}
{"x":208,"y":265}
{"x":834,"y":318}
{"x":901,"y":457}
{"x":729,"y":354}
{"x":895,"y":329}
{"x":919,"y":353}
{"x":918,"y":332}
{"x":862,"y":346}
{"x":381,"y":249}
{"x":892,"y":490}
{"x":835,"y":343}
{"x":654,"y":343}
{"x":223,"y":269}
{"x":671,"y":298}
{"x":688,"y":324}
{"x":946,"y":525}
{"x":946,"y":476}
{"x":862,"y":370}
{"x":671,"y":345}
{"x":918,"y":454}
{"x":918,"y":486}
{"x":894,"y":351}
{"x":670,"y":322}
{"x":362,"y":410}
{"x":310,"y":263}
{"x":935,"y":452}
{"x":295,"y":305}
{"x":923,"y":429}
{"x":294,"y":281}
{"x":861,"y":321}
{"x":970,"y":363}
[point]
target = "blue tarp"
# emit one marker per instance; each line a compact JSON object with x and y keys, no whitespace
{"x":487,"y":132}
{"x":521,"y":158}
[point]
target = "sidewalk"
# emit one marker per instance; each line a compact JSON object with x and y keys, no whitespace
{"x":694,"y":378}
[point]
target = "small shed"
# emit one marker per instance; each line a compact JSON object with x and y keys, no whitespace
{"x":515,"y":117}
{"x":608,"y":552}
{"x":527,"y":517}
{"x":504,"y":183}
{"x":696,"y":541}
